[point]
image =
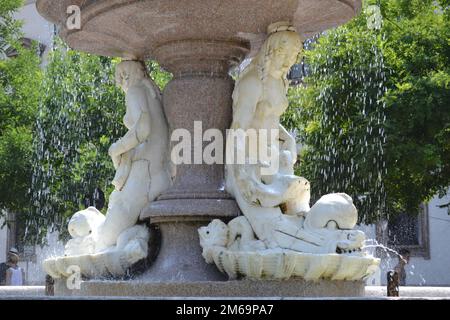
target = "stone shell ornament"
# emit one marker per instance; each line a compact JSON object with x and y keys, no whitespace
{"x":236,"y":252}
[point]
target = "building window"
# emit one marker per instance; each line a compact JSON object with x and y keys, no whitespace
{"x":404,"y":231}
{"x":410,"y":232}
{"x":14,"y":238}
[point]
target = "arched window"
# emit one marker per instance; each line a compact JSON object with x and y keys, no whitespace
{"x":410,"y":231}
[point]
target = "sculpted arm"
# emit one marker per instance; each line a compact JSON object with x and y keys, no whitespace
{"x":136,"y":134}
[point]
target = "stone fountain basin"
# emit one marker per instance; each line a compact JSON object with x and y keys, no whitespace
{"x":135,"y":29}
{"x":276,"y":265}
{"x":93,"y":265}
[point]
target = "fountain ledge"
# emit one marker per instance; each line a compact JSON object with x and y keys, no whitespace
{"x":215,"y":289}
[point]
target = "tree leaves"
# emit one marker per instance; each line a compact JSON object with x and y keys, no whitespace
{"x":359,"y":75}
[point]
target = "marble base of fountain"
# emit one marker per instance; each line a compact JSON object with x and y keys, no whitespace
{"x":215,"y":289}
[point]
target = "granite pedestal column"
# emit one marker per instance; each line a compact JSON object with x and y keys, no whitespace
{"x":198,"y":96}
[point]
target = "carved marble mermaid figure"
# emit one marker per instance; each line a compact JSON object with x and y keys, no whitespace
{"x":141,"y":161}
{"x":109,"y":245}
{"x":259,"y":99}
{"x":277,"y":205}
{"x":140,"y":156}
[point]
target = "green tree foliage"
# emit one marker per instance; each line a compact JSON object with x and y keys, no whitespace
{"x":79,"y":118}
{"x":417,"y":52}
{"x":20,"y":80}
{"x":374,"y":115}
{"x":9,"y":27}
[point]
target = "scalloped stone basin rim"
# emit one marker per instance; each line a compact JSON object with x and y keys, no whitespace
{"x":135,"y":29}
{"x":283,"y":265}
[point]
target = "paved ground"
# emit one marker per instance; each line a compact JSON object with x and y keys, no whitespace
{"x":372,"y":293}
{"x":410,"y":292}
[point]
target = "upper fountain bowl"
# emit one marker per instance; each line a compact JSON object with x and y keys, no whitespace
{"x":134,"y":29}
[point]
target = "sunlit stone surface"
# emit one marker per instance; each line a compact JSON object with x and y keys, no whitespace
{"x":140,"y":29}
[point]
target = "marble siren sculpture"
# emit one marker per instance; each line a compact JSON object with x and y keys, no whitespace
{"x":109,"y":245}
{"x":279,"y":235}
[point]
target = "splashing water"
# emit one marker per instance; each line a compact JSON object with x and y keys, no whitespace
{"x":386,"y":249}
{"x":79,"y":117}
{"x":341,"y":115}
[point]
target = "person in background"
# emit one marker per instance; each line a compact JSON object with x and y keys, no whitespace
{"x":403,"y":260}
{"x":15,"y":275}
{"x":6,"y":265}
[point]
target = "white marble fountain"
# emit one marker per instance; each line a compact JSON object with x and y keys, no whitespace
{"x":243,"y":228}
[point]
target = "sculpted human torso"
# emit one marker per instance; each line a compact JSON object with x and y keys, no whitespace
{"x":270,"y":102}
{"x":134,"y":115}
